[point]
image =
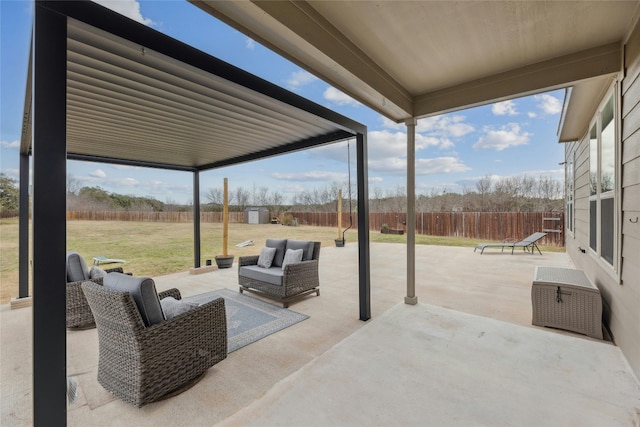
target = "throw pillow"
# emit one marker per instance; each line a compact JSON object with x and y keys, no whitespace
{"x":173,"y":307}
{"x":266,"y":257}
{"x":291,"y":256}
{"x":96,"y":272}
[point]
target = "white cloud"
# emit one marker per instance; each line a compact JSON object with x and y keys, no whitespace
{"x":438,"y":126}
{"x":121,"y":167}
{"x":390,"y":124}
{"x":385,"y":144}
{"x":98,"y":173}
{"x":532,"y":114}
{"x":127,"y":182}
{"x":504,"y":108}
{"x":507,"y":136}
{"x":12,"y":172}
{"x":10,"y":144}
{"x":548,"y":104}
{"x":438,"y":165}
{"x":311,"y":176}
{"x":334,"y":95}
{"x":250,"y":44}
{"x":445,"y":126}
{"x":128,"y":8}
{"x":300,"y":78}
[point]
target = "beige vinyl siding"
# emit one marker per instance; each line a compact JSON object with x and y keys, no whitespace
{"x":582,"y":193}
{"x":620,"y":290}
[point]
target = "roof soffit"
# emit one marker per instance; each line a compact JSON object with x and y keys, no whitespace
{"x":431,"y":48}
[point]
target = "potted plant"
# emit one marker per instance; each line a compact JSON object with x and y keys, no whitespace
{"x":384,"y":229}
{"x":225,"y":260}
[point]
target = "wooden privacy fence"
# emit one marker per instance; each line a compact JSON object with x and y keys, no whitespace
{"x":150,"y":216}
{"x":473,"y":225}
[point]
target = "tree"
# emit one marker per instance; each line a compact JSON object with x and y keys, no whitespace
{"x":483,"y":186}
{"x":9,"y":195}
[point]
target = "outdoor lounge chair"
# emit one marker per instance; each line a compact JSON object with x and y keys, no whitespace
{"x":78,"y":312}
{"x":143,"y":357}
{"x":525,"y":244}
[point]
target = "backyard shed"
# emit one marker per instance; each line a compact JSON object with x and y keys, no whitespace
{"x":256,"y":215}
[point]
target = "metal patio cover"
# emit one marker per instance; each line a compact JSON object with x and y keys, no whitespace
{"x":136,"y":96}
{"x":409,"y":59}
{"x":102,"y":87}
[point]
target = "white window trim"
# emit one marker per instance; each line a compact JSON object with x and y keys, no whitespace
{"x":570,"y":225}
{"x":612,"y":269}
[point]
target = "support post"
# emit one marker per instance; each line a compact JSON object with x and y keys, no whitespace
{"x":49,"y":218}
{"x":364,"y":270}
{"x":196,"y":220}
{"x":411,"y":297}
{"x":23,"y":232}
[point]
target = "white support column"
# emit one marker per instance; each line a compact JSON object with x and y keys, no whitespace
{"x":411,"y":297}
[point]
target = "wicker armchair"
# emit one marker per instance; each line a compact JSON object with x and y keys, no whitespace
{"x":78,"y":312}
{"x":141,"y":364}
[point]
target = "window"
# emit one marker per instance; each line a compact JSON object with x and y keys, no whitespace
{"x":569,"y":188}
{"x":602,"y":182}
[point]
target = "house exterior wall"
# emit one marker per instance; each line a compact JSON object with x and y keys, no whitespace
{"x":620,"y":285}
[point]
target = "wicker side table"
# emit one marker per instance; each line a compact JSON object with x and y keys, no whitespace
{"x":566,"y":299}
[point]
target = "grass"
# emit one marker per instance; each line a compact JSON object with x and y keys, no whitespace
{"x":154,"y":249}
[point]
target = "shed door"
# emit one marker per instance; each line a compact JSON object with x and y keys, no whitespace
{"x":254,"y":217}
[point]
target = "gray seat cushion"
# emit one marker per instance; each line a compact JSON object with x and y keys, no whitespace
{"x":271,"y":275}
{"x":305,"y":245}
{"x":280,"y":245}
{"x":143,"y":291}
{"x":77,"y":269}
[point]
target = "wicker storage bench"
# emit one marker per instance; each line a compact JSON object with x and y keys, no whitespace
{"x":566,"y":299}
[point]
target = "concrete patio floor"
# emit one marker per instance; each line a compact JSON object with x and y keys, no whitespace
{"x":467,"y":354}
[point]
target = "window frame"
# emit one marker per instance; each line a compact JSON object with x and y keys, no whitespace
{"x":612,"y":267}
{"x":570,"y":191}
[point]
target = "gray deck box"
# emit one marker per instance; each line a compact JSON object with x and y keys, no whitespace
{"x":566,"y":299}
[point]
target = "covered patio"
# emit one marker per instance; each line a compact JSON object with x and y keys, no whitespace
{"x":258,"y":384}
{"x":469,"y":356}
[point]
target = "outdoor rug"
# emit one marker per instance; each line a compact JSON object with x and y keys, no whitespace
{"x":249,"y":319}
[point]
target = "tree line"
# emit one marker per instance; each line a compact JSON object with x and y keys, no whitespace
{"x":511,"y":194}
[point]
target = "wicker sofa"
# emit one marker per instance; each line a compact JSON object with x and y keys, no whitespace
{"x":293,"y":281}
{"x":145,"y":354}
{"x":79,"y":314}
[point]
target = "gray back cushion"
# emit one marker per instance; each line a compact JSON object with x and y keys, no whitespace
{"x":305,"y":245}
{"x":143,"y":291}
{"x":280,"y":245}
{"x":77,"y":269}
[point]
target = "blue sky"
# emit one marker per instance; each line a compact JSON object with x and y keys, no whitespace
{"x":452,"y":151}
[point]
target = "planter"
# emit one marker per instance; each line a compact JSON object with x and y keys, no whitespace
{"x":224,"y":261}
{"x":392,"y":231}
{"x":339,"y":243}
